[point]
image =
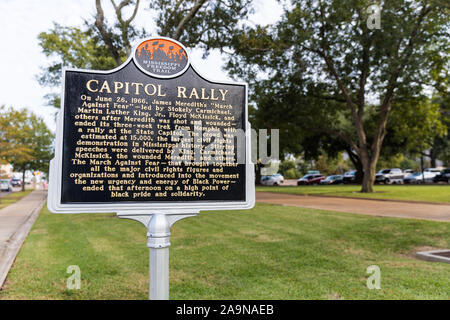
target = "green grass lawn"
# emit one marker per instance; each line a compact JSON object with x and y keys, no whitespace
{"x":12,"y":197}
{"x":429,"y":193}
{"x":269,"y":252}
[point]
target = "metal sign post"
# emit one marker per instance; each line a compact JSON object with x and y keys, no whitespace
{"x":158,"y":232}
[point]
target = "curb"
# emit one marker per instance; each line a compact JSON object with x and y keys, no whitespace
{"x":431,"y":256}
{"x":360,"y":198}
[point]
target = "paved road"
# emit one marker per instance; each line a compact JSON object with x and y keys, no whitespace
{"x":438,"y":212}
{"x":16,"y":221}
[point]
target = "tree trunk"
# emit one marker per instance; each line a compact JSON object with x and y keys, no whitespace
{"x":23,"y":180}
{"x":368,"y":179}
{"x":258,"y":167}
{"x":432,"y":158}
{"x":421,"y":168}
{"x":369,"y":162}
{"x":354,"y":158}
{"x":359,"y":176}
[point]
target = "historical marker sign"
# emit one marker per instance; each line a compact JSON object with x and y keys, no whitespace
{"x":151,"y":134}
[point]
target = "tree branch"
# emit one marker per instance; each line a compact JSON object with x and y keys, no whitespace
{"x":346,"y":138}
{"x":365,"y":67}
{"x":323,"y":52}
{"x":392,"y":84}
{"x":180,"y":28}
{"x":134,"y":13}
{"x":106,"y":36}
{"x":125,"y":24}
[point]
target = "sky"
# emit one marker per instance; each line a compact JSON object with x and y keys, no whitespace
{"x":21,"y":58}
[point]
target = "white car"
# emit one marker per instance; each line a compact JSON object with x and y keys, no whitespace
{"x":417,"y":178}
{"x":274,"y":180}
{"x":434,"y":171}
{"x":408,"y":172}
{"x":394,"y":175}
{"x":6,"y":185}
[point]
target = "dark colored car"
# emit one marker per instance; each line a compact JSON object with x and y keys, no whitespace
{"x":16,"y":182}
{"x":443,"y":176}
{"x":349,"y":177}
{"x":336,"y":179}
{"x":310,"y":179}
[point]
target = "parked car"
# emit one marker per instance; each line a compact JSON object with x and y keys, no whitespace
{"x":274,"y":180}
{"x":443,"y":176}
{"x":394,"y":175}
{"x":417,"y":178}
{"x":408,"y":172}
{"x":435,"y":171}
{"x":430,"y":173}
{"x":5,"y":185}
{"x":336,"y":179}
{"x":16,"y":182}
{"x":279,"y":176}
{"x":349,"y":177}
{"x":310,"y":179}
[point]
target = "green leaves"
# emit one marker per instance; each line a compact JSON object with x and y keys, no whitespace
{"x":71,"y":47}
{"x":200,"y":23}
{"x":104,"y":43}
{"x":74,"y":48}
{"x":321,"y":70}
{"x":25,"y":140}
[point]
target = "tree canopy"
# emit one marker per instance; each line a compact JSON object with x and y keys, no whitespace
{"x":103,"y":42}
{"x":323,"y":57}
{"x":25,"y":142}
{"x":324,"y":75}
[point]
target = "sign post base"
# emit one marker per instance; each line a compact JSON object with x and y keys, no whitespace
{"x":158,"y":232}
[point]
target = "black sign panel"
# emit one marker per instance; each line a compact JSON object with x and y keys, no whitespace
{"x":118,"y":134}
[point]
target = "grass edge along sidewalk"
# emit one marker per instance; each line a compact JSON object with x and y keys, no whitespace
{"x":269,"y":252}
{"x":16,"y":221}
{"x":409,"y":193}
{"x":13,"y":197}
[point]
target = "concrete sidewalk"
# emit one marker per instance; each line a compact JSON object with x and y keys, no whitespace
{"x":16,"y":221}
{"x":380,"y":208}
